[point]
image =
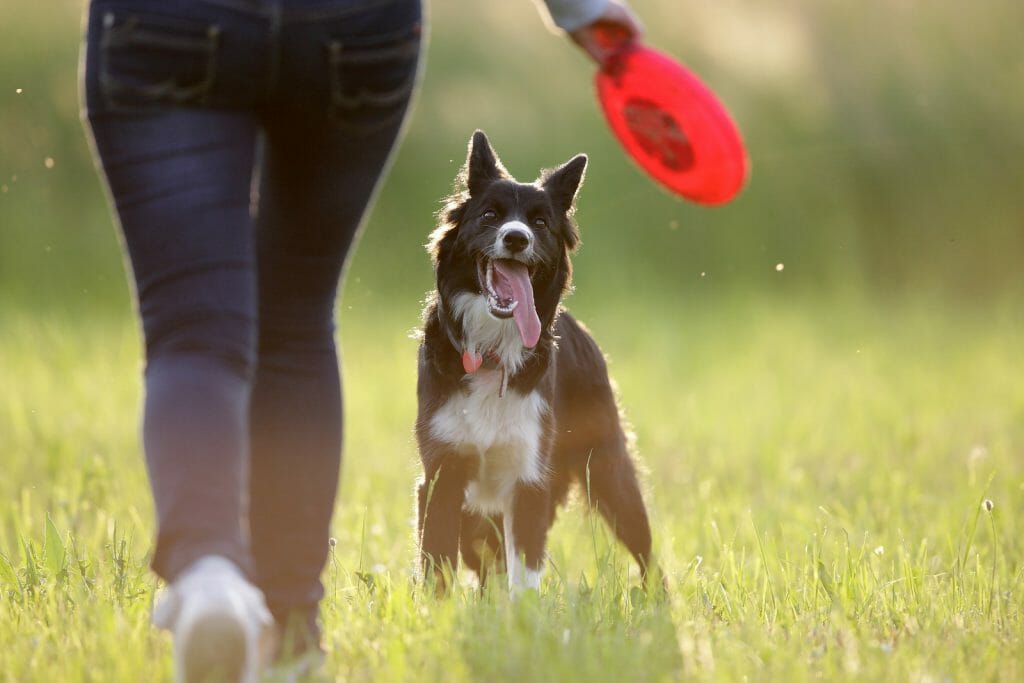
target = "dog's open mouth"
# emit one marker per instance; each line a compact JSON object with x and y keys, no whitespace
{"x":506,"y":283}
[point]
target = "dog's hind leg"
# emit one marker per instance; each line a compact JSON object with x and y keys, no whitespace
{"x":440,"y":497}
{"x":611,"y":486}
{"x":526,"y":533}
{"x":480,"y":544}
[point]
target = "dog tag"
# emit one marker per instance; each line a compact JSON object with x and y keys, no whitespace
{"x":471,"y":361}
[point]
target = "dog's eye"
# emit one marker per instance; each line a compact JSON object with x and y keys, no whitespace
{"x":489,"y":215}
{"x":540,"y":223}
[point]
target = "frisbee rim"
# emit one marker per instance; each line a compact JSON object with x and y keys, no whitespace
{"x":721,"y":165}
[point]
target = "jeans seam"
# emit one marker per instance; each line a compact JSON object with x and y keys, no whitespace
{"x":274,"y":70}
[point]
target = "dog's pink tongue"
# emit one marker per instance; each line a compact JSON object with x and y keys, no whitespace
{"x":513,"y":282}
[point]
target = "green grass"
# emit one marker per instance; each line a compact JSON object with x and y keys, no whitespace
{"x":816,"y":472}
{"x":818,"y":443}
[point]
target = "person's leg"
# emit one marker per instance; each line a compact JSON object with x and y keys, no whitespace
{"x":179,"y":180}
{"x":318,"y":175}
{"x":178,"y":167}
{"x":312,"y":198}
{"x":177,"y":148}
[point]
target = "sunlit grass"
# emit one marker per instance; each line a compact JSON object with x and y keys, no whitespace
{"x":817,"y":476}
{"x":817,"y":469}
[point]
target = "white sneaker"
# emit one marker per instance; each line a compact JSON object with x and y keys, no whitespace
{"x":219,"y":622}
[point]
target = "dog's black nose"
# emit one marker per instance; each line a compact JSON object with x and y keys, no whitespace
{"x":516,"y":240}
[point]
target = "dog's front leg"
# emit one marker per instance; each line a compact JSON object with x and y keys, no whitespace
{"x":440,"y":498}
{"x":526,"y":533}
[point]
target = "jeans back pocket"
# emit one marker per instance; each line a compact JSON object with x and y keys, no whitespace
{"x":372,"y":80}
{"x":150,"y":61}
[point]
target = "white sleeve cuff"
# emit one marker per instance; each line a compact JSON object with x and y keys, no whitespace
{"x":570,"y":15}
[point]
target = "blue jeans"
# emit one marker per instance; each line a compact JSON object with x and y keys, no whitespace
{"x":242,"y":142}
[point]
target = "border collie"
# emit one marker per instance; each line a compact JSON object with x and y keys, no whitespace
{"x":515,"y":402}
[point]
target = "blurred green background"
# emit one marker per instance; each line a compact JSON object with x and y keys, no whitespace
{"x":866,"y":393}
{"x":886,"y":142}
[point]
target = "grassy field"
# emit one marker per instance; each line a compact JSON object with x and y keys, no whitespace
{"x":819,"y":440}
{"x":816,"y":481}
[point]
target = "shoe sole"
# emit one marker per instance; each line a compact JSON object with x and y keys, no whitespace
{"x":214,"y":651}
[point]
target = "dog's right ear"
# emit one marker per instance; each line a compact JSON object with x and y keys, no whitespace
{"x":482,"y":165}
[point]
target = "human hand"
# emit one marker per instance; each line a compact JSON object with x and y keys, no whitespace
{"x":616,"y":28}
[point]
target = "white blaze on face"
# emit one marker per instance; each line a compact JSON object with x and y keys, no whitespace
{"x":513,"y":227}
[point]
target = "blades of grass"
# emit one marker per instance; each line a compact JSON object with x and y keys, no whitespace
{"x":974,"y":525}
{"x":826,"y":582}
{"x":990,"y":513}
{"x":8,"y":574}
{"x":31,"y":566}
{"x":593,"y":531}
{"x":54,"y":554}
{"x":764,"y":562}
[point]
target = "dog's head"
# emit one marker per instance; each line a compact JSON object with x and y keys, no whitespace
{"x":507,"y":242}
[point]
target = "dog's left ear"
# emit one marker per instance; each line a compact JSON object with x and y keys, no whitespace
{"x":562,"y":183}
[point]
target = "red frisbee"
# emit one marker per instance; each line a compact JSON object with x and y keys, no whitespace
{"x":672,"y":125}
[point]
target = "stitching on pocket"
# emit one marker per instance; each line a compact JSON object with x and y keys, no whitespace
{"x":141,"y":32}
{"x":385,"y":106}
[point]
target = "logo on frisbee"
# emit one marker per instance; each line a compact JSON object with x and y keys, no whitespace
{"x":658,"y":134}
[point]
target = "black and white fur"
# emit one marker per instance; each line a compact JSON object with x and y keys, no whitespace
{"x":501,"y":446}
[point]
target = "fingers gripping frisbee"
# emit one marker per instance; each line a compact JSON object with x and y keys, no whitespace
{"x":672,"y":125}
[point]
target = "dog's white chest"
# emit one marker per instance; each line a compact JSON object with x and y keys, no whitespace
{"x":503,"y":432}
